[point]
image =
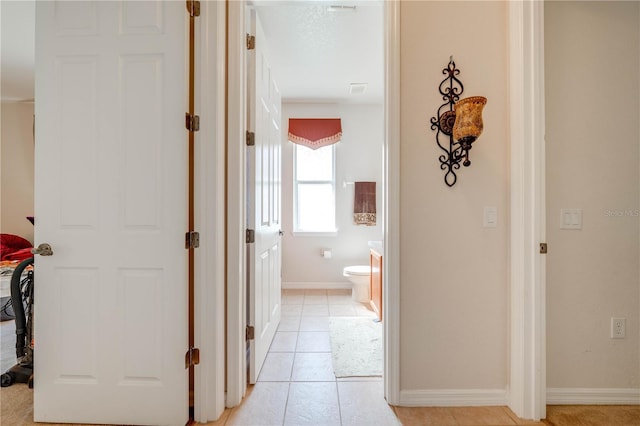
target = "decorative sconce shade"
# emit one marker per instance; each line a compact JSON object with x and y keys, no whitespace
{"x":468,"y":125}
{"x":458,"y":123}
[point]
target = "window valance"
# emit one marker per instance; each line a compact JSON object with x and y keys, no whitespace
{"x":315,"y":132}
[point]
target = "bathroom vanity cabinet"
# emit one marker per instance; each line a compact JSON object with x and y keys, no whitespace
{"x":375,"y":258}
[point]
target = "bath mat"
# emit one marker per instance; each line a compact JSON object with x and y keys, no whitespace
{"x":356,"y":346}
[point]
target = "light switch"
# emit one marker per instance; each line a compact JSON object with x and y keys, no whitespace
{"x":570,"y":218}
{"x":490,"y":219}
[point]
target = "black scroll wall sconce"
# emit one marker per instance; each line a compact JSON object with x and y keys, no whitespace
{"x":458,"y":124}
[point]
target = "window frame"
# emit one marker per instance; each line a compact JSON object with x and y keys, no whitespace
{"x":297,"y":231}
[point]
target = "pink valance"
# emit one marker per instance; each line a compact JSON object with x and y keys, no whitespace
{"x":315,"y":132}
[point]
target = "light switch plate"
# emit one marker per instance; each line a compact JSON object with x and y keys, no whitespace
{"x":490,"y":217}
{"x":570,"y":218}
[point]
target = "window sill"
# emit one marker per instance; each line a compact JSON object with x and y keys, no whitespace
{"x":333,"y":233}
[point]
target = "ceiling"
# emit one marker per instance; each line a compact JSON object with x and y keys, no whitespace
{"x":317,"y":48}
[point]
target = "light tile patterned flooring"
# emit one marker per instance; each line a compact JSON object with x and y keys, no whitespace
{"x":297,"y":386}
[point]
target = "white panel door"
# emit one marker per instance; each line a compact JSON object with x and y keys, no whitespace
{"x":111,"y":199}
{"x":263,"y":211}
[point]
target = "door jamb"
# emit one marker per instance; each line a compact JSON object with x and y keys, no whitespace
{"x":527,"y":382}
{"x":391,"y":195}
{"x":236,"y":196}
{"x":209,"y":212}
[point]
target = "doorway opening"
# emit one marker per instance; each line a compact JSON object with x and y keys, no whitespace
{"x":291,"y":106}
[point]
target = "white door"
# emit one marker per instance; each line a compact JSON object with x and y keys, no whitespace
{"x":111,"y":199}
{"x":263,"y":204}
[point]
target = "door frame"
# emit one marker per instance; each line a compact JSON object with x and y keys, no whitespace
{"x":210,"y":217}
{"x":391,"y":205}
{"x":527,"y":351}
{"x":235,"y":208}
{"x":527,"y":354}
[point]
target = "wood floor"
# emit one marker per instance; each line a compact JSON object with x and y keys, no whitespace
{"x":593,"y":415}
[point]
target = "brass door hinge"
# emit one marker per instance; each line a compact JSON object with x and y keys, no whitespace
{"x":251,"y":138}
{"x":251,"y":42}
{"x":543,"y":248}
{"x":192,"y":240}
{"x":251,"y":236}
{"x":192,"y":122}
{"x":193,"y":6}
{"x":249,"y":333}
{"x":192,"y":357}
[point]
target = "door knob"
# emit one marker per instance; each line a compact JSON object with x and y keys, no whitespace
{"x":43,"y":249}
{"x":281,"y":232}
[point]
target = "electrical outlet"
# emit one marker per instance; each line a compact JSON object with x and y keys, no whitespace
{"x":618,"y":328}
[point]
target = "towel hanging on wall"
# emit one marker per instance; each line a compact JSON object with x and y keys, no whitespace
{"x":364,"y":203}
{"x":315,"y":132}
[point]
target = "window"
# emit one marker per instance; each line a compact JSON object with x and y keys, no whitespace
{"x":314,"y":189}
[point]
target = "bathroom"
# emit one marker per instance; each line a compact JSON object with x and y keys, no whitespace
{"x":327,"y":61}
{"x":358,"y":157}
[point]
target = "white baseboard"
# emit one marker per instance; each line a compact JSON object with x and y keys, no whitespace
{"x":593,"y":396}
{"x":316,"y":285}
{"x":453,"y":397}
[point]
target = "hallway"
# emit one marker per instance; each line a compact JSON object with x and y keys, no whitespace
{"x":297,"y":385}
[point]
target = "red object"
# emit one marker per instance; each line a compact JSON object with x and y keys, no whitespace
{"x":13,"y":247}
{"x":315,"y":132}
{"x":21,"y":254}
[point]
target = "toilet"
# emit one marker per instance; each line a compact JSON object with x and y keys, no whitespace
{"x":360,"y":276}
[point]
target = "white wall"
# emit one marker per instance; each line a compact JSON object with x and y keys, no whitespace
{"x":359,"y":157}
{"x":17,"y":169}
{"x":454,"y":288}
{"x":592,"y":93}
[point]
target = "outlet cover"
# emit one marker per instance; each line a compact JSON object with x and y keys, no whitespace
{"x":618,"y":328}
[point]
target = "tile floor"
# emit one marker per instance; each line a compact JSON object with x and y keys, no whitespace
{"x":296,"y":385}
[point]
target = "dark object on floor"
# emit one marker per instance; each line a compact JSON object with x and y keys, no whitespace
{"x":6,"y":309}
{"x":22,"y":302}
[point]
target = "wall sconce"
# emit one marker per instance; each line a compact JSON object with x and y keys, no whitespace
{"x":459,"y":121}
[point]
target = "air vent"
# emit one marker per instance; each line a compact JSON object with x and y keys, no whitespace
{"x":357,"y":88}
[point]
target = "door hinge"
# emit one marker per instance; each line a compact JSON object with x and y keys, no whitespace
{"x":251,"y":42}
{"x":192,"y":357}
{"x":249,"y":333}
{"x":250,"y":236}
{"x":192,"y":240}
{"x":543,"y":248}
{"x":192,"y":122}
{"x":193,"y":6}
{"x":251,"y":138}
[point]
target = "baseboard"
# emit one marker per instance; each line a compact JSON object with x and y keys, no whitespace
{"x":453,"y":397}
{"x":346,"y":285}
{"x":593,"y":396}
